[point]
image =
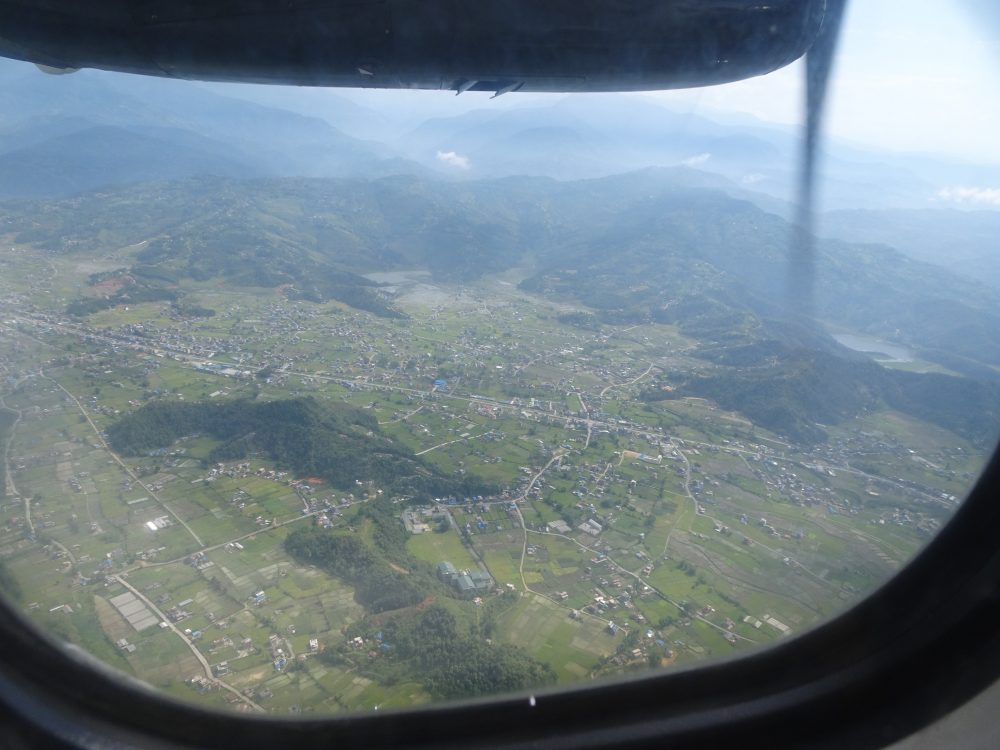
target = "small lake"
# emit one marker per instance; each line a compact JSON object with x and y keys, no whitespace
{"x":878,"y":348}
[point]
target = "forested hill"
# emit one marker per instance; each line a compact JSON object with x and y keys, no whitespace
{"x":717,"y":266}
{"x":425,"y":643}
{"x":789,"y":390}
{"x":310,"y":437}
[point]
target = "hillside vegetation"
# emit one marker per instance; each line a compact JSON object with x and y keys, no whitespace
{"x":790,"y":390}
{"x":334,"y":441}
{"x":427,"y":643}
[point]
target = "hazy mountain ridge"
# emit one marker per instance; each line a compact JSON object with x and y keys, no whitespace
{"x":101,"y":155}
{"x":701,"y":232}
{"x":310,"y":132}
{"x":963,"y":241}
{"x":791,"y":389}
{"x":634,"y":246}
{"x":62,"y":135}
{"x":595,"y":140}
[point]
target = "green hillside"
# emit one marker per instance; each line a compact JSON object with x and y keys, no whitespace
{"x":790,"y":390}
{"x":334,"y":441}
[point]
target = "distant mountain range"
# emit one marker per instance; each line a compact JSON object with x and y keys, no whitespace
{"x":966,"y":242}
{"x":61,"y":135}
{"x":598,"y":135}
{"x":294,"y":131}
{"x":104,"y":155}
{"x":66,"y":134}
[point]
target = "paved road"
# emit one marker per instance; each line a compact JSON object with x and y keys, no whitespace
{"x":125,"y":466}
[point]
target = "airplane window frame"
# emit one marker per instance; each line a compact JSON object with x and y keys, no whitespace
{"x":914,"y":650}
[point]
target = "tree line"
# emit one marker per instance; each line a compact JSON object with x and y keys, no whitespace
{"x":789,"y":390}
{"x":454,"y":664}
{"x":335,"y":441}
{"x":377,"y":587}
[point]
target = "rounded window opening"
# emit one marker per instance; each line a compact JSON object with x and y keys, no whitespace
{"x":323,"y":401}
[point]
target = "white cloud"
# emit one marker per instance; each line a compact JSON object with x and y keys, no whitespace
{"x":965,"y":194}
{"x":694,"y":161}
{"x":453,"y":159}
{"x":753,"y":178}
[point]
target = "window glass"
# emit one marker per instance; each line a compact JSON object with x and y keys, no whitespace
{"x":324,"y":401}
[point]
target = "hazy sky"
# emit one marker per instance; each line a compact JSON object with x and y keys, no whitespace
{"x":911,"y":75}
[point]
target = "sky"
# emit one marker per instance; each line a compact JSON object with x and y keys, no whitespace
{"x":910,"y":75}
